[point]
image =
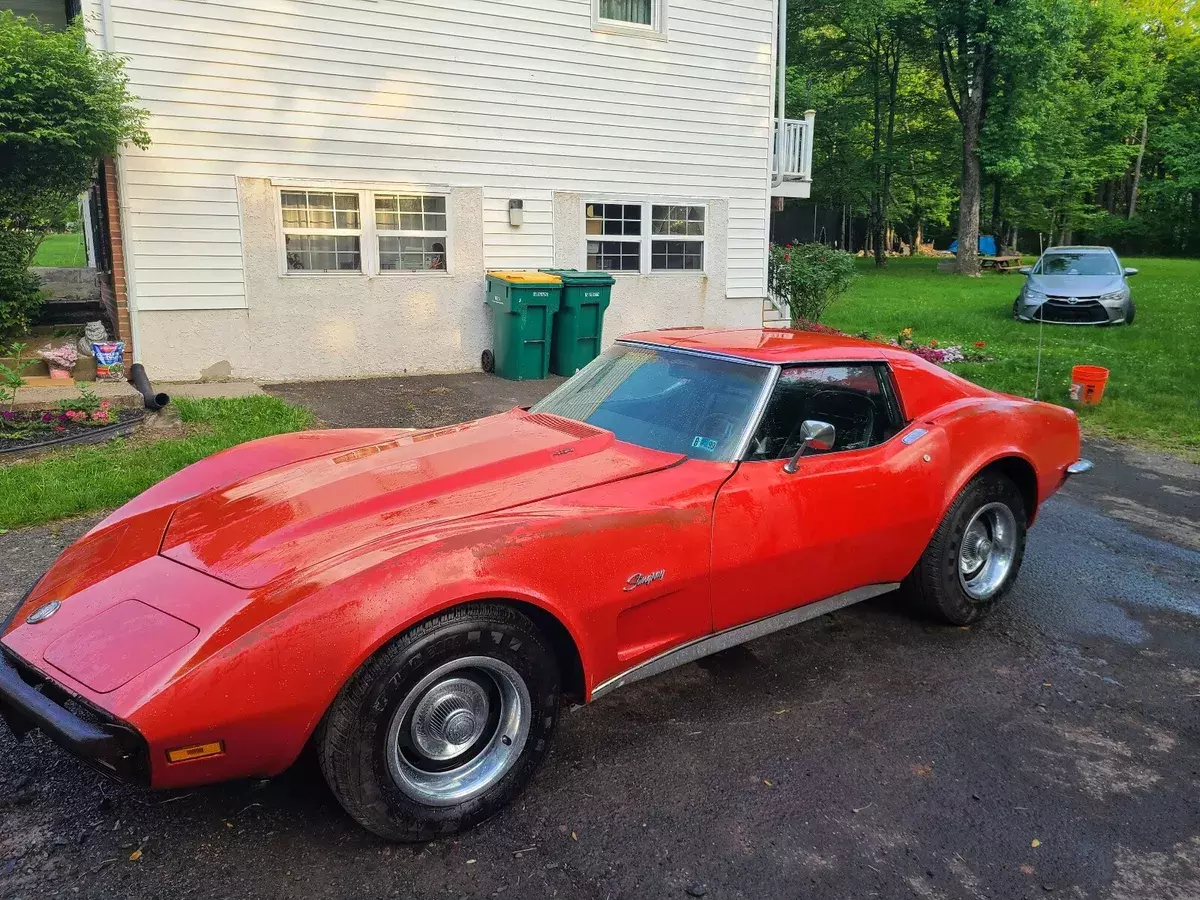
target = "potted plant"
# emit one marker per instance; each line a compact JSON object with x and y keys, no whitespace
{"x":61,"y":360}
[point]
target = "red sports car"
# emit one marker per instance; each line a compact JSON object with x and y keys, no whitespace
{"x":419,"y":604}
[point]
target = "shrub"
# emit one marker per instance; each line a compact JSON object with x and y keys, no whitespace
{"x":63,"y":106}
{"x":808,"y":277}
{"x":20,"y":290}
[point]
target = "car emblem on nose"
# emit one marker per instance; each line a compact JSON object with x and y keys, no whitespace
{"x":1072,"y":300}
{"x":42,"y":613}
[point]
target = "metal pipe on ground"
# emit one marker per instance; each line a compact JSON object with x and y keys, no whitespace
{"x":139,"y":379}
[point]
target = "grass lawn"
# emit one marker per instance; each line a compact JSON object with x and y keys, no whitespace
{"x":61,"y":250}
{"x":1153,"y":392}
{"x":86,"y":479}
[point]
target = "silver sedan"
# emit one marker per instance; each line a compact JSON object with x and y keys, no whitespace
{"x":1076,"y":286}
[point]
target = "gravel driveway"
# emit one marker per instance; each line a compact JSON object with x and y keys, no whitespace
{"x":1053,"y":750}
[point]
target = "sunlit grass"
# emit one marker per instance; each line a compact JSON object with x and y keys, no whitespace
{"x":1153,"y":392}
{"x":64,"y":250}
{"x":84,"y":479}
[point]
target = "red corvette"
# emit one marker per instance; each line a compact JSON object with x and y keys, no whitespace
{"x":419,"y":604}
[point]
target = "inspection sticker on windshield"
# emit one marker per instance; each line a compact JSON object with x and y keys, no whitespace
{"x":702,"y":443}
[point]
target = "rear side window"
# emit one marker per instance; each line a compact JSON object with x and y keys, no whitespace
{"x":855,"y":399}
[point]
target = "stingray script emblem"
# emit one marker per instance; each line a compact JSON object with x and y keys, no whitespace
{"x":637,"y":579}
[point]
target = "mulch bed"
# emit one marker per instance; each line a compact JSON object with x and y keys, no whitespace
{"x":26,"y":433}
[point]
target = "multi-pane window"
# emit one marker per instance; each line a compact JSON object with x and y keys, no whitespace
{"x":322,"y":231}
{"x":678,"y":238}
{"x":327,"y":231}
{"x":618,"y":241}
{"x":614,"y":236}
{"x":411,"y":231}
{"x":632,"y":12}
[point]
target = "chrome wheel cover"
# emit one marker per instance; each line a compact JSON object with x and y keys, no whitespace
{"x":458,"y":731}
{"x":987,"y":551}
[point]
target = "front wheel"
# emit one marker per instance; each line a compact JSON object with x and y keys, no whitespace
{"x":443,"y":726}
{"x":975,"y":554}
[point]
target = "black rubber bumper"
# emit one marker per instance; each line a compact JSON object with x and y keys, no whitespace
{"x":29,"y":700}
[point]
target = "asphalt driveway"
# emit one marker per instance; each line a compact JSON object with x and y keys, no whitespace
{"x":1053,"y":750}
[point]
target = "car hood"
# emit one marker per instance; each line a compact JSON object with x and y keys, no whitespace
{"x":294,"y":517}
{"x":1076,"y":285}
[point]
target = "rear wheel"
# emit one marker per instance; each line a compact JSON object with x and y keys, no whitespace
{"x":975,"y":554}
{"x":443,"y":726}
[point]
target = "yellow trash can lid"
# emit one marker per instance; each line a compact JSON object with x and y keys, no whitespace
{"x":525,"y":277}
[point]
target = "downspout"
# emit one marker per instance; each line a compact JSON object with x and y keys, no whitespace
{"x":780,"y":92}
{"x":110,"y":45}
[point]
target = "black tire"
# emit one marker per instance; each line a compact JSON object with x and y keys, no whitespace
{"x":935,"y":583}
{"x":353,"y":739}
{"x":487,"y":361}
{"x":1129,"y":318}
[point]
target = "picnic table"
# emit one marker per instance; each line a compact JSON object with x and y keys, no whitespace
{"x":1001,"y":264}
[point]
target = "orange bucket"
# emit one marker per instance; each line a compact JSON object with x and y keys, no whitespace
{"x":1087,"y":384}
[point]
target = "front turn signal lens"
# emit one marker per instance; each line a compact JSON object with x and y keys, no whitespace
{"x":196,"y":751}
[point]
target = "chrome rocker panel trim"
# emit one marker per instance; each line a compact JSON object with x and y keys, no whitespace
{"x":739,"y":634}
{"x":1080,"y":467}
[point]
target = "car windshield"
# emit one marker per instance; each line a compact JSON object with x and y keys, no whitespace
{"x":664,"y":399}
{"x":1078,"y":264}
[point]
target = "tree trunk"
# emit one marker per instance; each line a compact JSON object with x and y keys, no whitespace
{"x":967,"y":261}
{"x":994,"y":227}
{"x":885,"y":192}
{"x":1137,"y":170}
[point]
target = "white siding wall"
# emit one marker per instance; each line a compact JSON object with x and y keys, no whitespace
{"x":518,"y":96}
{"x":531,"y":246}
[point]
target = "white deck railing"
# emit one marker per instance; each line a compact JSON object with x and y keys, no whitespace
{"x":793,"y":150}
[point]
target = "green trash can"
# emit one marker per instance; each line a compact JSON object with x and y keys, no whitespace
{"x":523,"y":307}
{"x":580,"y":319}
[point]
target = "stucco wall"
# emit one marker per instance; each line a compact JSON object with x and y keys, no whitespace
{"x":298,"y":327}
{"x":644,"y":302}
{"x":326,"y":326}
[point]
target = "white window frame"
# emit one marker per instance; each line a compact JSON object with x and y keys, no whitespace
{"x":320,"y":232}
{"x":701,"y":239}
{"x":367,"y":233}
{"x":656,"y":30}
{"x":403,"y":233}
{"x":646,"y":238}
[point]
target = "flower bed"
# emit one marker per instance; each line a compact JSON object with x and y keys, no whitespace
{"x":85,"y":419}
{"x":930,"y":350}
{"x":25,"y":432}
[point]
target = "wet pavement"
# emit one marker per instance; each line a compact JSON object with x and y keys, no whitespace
{"x":1051,"y":751}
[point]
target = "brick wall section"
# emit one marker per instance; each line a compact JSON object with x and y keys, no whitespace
{"x":120,"y":288}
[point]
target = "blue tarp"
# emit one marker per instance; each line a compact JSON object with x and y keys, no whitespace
{"x":987,"y":245}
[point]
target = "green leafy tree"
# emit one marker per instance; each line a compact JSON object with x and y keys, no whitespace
{"x":63,"y":106}
{"x":1000,"y":60}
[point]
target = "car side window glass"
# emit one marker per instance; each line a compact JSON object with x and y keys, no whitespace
{"x":851,"y":398}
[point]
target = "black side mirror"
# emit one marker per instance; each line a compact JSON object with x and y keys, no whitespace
{"x":816,"y":435}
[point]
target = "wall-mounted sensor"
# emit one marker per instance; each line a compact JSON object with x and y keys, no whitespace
{"x":516,"y":213}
